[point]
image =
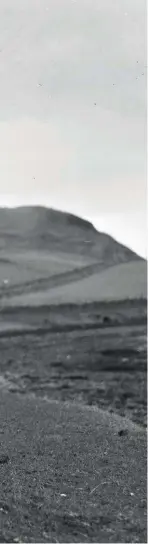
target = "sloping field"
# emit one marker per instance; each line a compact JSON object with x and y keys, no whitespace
{"x":118,"y":282}
{"x":50,"y":255}
{"x":19,"y":268}
{"x":47,"y":255}
{"x":69,"y":474}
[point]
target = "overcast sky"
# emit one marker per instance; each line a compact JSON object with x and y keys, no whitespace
{"x":73,"y":110}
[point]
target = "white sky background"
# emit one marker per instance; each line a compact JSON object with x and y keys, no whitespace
{"x":82,"y":133}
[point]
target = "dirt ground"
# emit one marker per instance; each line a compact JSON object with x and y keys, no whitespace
{"x":94,"y":354}
{"x":69,"y":473}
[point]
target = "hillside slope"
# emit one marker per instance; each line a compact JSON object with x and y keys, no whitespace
{"x":38,"y":228}
{"x":50,"y":255}
{"x":119,"y":282}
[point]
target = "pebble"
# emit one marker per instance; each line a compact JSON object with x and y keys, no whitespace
{"x":123,"y":432}
{"x":4,"y":459}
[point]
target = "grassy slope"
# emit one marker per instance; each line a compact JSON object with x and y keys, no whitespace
{"x":41,"y":249}
{"x":24,"y":267}
{"x":116,"y":283}
{"x":53,"y":231}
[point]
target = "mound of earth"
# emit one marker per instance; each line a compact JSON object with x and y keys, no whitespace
{"x":69,"y":474}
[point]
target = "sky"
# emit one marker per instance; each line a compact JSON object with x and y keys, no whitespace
{"x":73,"y":110}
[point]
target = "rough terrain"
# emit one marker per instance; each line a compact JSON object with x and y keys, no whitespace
{"x":70,"y":474}
{"x":92,"y":353}
{"x":73,"y":395}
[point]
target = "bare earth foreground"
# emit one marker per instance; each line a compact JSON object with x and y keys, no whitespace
{"x":70,"y":474}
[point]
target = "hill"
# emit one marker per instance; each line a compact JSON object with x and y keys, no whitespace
{"x":47,"y":255}
{"x":38,"y":228}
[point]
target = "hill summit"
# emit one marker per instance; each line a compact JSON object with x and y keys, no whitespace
{"x":45,"y":229}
